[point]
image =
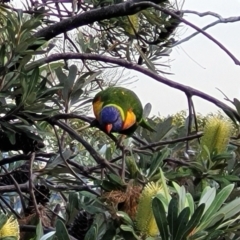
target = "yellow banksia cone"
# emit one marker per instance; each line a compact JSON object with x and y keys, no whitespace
{"x":10,"y":228}
{"x":145,"y":221}
{"x":217,"y":133}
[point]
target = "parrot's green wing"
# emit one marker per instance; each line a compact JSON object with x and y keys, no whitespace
{"x":127,"y":101}
{"x":123,"y":98}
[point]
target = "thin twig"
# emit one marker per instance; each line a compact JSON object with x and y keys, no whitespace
{"x":31,"y":186}
{"x":10,"y":207}
{"x":162,"y":143}
{"x":173,"y":14}
{"x":189,"y":127}
{"x":220,"y":20}
{"x":63,"y":158}
{"x":123,"y":164}
{"x":89,"y":148}
{"x":17,"y":188}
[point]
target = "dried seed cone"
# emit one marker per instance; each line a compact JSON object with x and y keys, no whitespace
{"x":81,"y":225}
{"x":145,"y":221}
{"x":216,"y":136}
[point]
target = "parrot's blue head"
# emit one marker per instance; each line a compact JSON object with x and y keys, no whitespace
{"x":110,"y":119}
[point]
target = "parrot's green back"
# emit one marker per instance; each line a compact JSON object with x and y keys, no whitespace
{"x":126,"y":100}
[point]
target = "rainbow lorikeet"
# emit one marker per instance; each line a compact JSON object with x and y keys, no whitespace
{"x":118,"y":109}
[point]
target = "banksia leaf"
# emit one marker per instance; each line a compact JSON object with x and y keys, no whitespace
{"x":216,"y":136}
{"x":132,"y":167}
{"x":145,"y":221}
{"x":131,"y":24}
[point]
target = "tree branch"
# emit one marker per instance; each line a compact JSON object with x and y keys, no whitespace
{"x":117,"y":10}
{"x":88,"y":147}
{"x":89,"y":17}
{"x":173,"y":14}
{"x":220,"y":20}
{"x":183,"y":139}
{"x":123,"y":63}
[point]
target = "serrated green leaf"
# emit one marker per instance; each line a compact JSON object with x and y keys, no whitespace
{"x":71,"y":77}
{"x":147,"y":110}
{"x":163,"y":129}
{"x":109,"y":186}
{"x":58,"y":159}
{"x":182,"y":198}
{"x":127,"y":228}
{"x":218,"y":201}
{"x":75,"y":96}
{"x":125,"y":218}
{"x":181,"y":223}
{"x":164,"y":185}
{"x":215,"y":235}
{"x":160,"y":217}
{"x":222,"y":156}
{"x":3,"y":220}
{"x":73,"y":200}
{"x":236,"y":103}
{"x":193,"y":222}
{"x":156,"y":161}
{"x":207,"y":198}
{"x":92,"y":77}
{"x":62,"y":77}
{"x":61,"y":231}
{"x":110,"y":233}
{"x":149,"y":64}
{"x":115,"y":179}
{"x":231,"y":209}
{"x":48,"y":236}
{"x":172,"y":214}
{"x":218,"y":217}
{"x":39,"y":230}
{"x":190,"y":203}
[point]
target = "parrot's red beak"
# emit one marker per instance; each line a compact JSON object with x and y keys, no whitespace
{"x":108,"y":128}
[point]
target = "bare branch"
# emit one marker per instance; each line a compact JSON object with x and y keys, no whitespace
{"x":208,"y":13}
{"x":89,"y":148}
{"x":220,"y":20}
{"x":162,"y":143}
{"x":89,"y":17}
{"x":117,"y":10}
{"x":186,"y":89}
{"x":171,"y":13}
{"x":31,"y":186}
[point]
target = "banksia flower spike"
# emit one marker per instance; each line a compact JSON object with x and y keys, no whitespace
{"x":9,"y":227}
{"x":145,"y":221}
{"x":216,"y":136}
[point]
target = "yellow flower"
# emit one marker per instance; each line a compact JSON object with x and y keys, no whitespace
{"x":10,"y":228}
{"x":145,"y":221}
{"x":216,"y":136}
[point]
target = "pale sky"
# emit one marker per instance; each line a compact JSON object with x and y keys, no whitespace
{"x":199,"y":63}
